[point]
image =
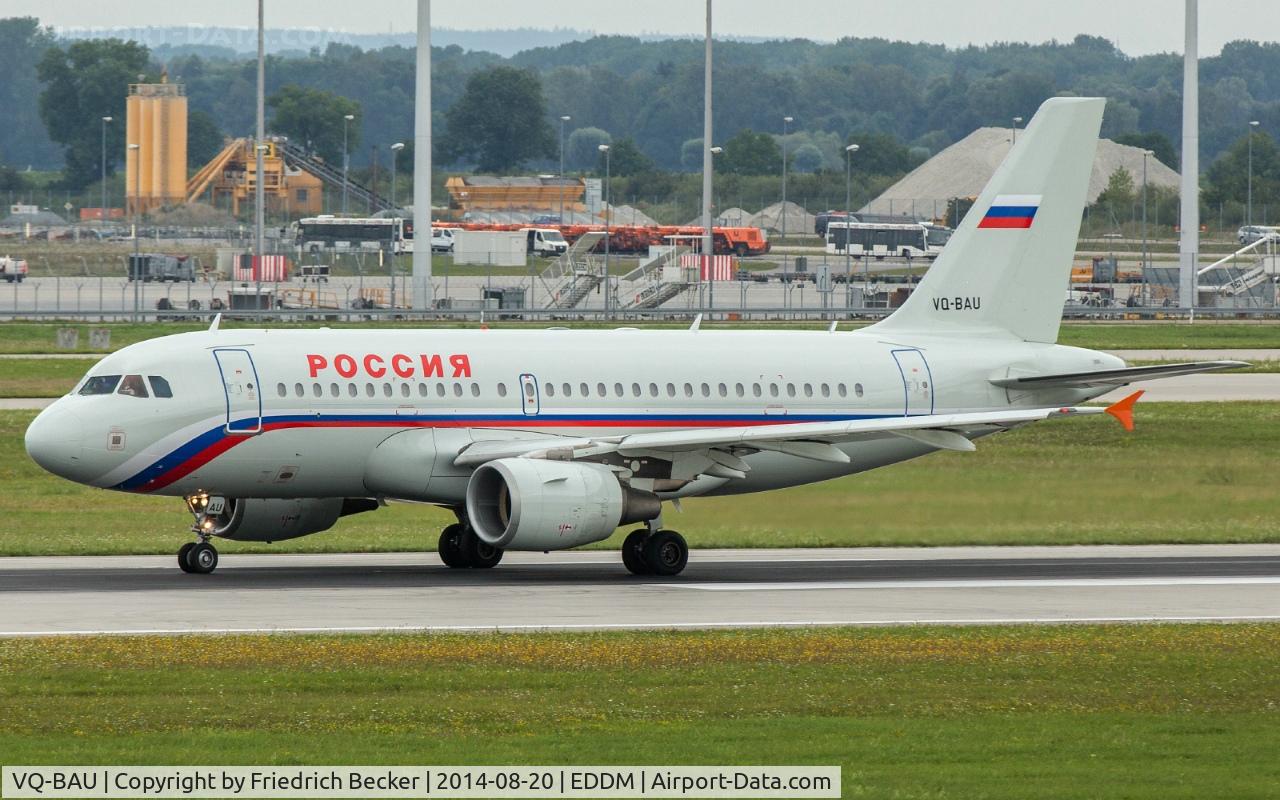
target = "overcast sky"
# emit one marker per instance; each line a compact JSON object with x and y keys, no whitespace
{"x":1137,"y":26}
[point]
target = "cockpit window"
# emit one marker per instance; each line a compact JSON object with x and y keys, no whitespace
{"x":160,"y":386}
{"x":100,"y":384}
{"x":132,"y":386}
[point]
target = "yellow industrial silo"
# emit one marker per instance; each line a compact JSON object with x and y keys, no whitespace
{"x":156,"y":172}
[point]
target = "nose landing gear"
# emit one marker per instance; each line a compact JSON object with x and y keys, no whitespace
{"x":200,"y":557}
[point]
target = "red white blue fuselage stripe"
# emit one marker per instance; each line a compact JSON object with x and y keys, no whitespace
{"x":209,"y":444}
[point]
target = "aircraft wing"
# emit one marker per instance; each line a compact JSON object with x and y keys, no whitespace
{"x":1112,"y":377}
{"x":712,"y":450}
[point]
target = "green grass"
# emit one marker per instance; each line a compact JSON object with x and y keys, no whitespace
{"x":1170,"y":335}
{"x":1189,"y":473}
{"x":1162,"y":711}
{"x":36,"y":337}
{"x":41,"y":377}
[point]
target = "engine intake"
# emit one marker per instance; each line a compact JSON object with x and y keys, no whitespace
{"x":533,"y":504}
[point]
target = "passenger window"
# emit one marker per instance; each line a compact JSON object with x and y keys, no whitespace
{"x":132,"y":386}
{"x":755,"y":389}
{"x":529,"y":390}
{"x":808,"y":390}
{"x":773,"y":390}
{"x":298,"y":390}
{"x":653,"y":390}
{"x":841,"y":390}
{"x":706,"y":390}
{"x":502,"y":390}
{"x":826,"y":390}
{"x":334,"y":391}
{"x":635,"y":389}
{"x":791,"y":390}
{"x":857,"y":389}
{"x":317,"y":390}
{"x":439,"y":390}
{"x":160,"y":387}
{"x":281,"y":390}
{"x":352,"y":390}
{"x":671,"y":390}
{"x":602,"y":390}
{"x":739,"y":390}
{"x":568,"y":389}
{"x":475,"y":390}
{"x":724,"y":390}
{"x":422,"y":390}
{"x":550,"y":389}
{"x":100,"y":384}
{"x":688,"y":390}
{"x":404,"y":390}
{"x":368,"y":390}
{"x":457,"y":390}
{"x":584,"y":390}
{"x":386,"y":389}
{"x":617,"y":390}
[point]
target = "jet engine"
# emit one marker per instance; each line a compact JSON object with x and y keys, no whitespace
{"x":532,"y":504}
{"x":271,"y":520}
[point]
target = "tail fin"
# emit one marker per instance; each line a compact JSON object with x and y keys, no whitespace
{"x":1007,"y":267}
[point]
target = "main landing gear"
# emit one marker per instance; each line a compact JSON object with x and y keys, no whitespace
{"x":199,"y":558}
{"x":459,"y":547}
{"x":655,"y":552}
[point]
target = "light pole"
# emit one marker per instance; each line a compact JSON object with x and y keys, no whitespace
{"x":103,"y":217}
{"x":1145,"y":257}
{"x":785,"y":122}
{"x":604,"y":148}
{"x":346,"y":159}
{"x":395,"y":210}
{"x":710,"y":238}
{"x":395,"y":156}
{"x":137,"y":202}
{"x":563,"y":119}
{"x":1253,"y":126}
{"x":848,"y":222}
{"x":1016,"y":122}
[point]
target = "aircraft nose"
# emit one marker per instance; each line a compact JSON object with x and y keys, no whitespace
{"x":54,"y":440}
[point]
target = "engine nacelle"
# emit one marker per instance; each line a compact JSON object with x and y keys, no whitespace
{"x":272,"y":520}
{"x":532,"y":504}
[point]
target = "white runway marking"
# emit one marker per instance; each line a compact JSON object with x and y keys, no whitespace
{"x":1002,"y":583}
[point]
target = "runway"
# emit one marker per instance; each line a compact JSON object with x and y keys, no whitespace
{"x":591,"y":590}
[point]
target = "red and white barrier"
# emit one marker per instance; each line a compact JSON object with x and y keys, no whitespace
{"x":264,"y":268}
{"x":721,"y":268}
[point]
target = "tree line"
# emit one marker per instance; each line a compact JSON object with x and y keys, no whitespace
{"x":901,"y":102}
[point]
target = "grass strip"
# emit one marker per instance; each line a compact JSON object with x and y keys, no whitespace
{"x":1038,"y":711}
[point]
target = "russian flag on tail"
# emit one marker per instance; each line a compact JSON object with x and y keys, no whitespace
{"x":1011,"y":211}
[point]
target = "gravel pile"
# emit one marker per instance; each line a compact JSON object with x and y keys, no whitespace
{"x":963,"y":169}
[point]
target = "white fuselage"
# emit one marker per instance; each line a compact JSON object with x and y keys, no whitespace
{"x":294,"y":413}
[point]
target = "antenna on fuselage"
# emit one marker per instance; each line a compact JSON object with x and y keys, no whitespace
{"x":217,"y":320}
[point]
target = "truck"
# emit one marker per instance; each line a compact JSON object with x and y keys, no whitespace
{"x":13,"y":269}
{"x":158,"y":267}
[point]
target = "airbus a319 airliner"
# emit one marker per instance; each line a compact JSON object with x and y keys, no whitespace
{"x":545,"y":440}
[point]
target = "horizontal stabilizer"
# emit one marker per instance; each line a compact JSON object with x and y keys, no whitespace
{"x":1113,"y":377}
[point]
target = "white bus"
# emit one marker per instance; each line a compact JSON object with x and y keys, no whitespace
{"x":328,"y":232}
{"x":880,"y":240}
